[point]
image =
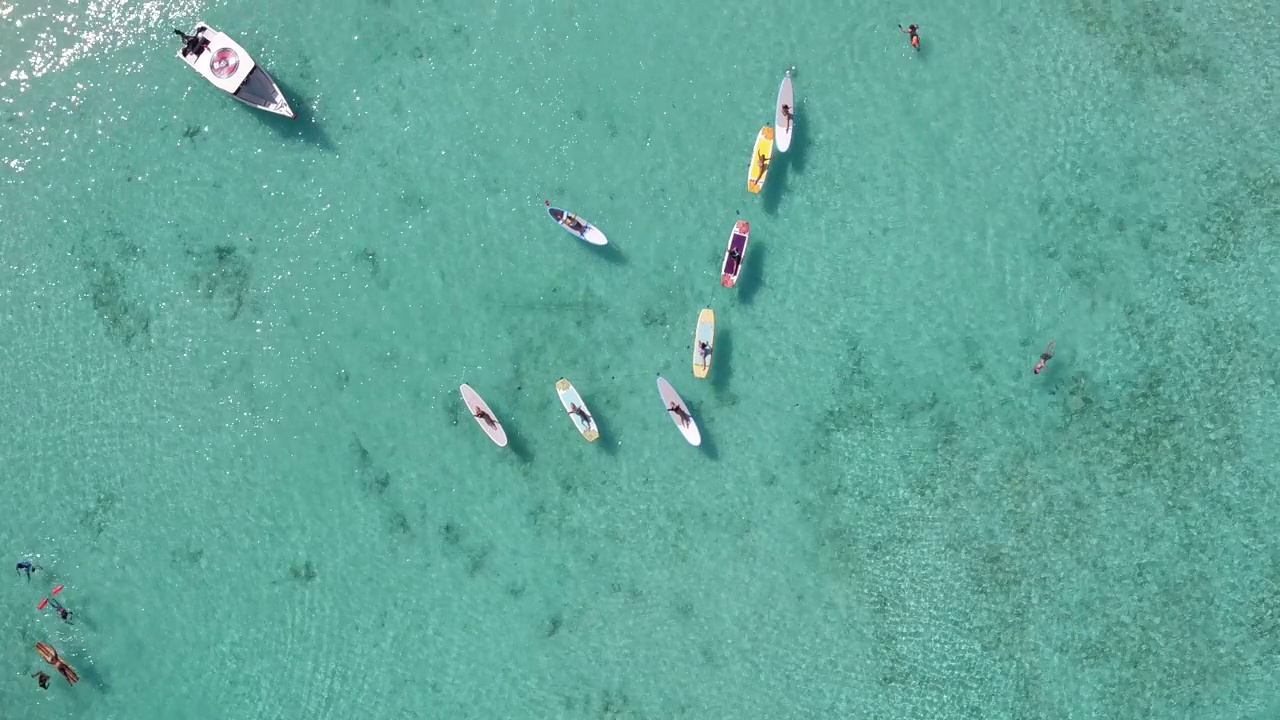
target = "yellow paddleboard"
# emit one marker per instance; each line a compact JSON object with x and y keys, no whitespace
{"x":760,"y":170}
{"x":704,"y":333}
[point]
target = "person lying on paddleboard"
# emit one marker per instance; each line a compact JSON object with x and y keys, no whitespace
{"x":580,"y":412}
{"x":915,"y":36}
{"x":482,"y":415}
{"x":680,"y":413}
{"x":786,"y":113}
{"x":1045,"y":357}
{"x":705,"y":351}
{"x":764,"y":165}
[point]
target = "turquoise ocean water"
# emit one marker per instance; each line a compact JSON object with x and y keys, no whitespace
{"x":232,"y":347}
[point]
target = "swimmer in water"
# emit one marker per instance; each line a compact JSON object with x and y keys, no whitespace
{"x":912,"y":30}
{"x":1045,"y":357}
{"x":27,"y":567}
{"x":42,"y":678}
{"x":63,"y":612}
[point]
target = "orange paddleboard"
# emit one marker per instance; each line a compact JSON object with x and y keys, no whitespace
{"x":51,"y":657}
{"x":47,"y":653}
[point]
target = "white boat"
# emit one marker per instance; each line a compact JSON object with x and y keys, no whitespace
{"x":577,"y":227}
{"x":222,"y":61}
{"x":678,"y":412}
{"x":577,"y":410}
{"x":784,"y":120}
{"x":479,"y":410}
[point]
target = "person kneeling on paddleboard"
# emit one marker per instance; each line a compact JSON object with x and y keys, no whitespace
{"x":572,"y":222}
{"x":915,"y":36}
{"x":786,"y":113}
{"x":705,"y":351}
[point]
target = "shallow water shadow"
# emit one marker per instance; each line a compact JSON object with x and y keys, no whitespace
{"x":306,"y":127}
{"x":606,"y":442}
{"x":708,"y":446}
{"x":721,"y":367}
{"x":773,"y":183}
{"x":610,"y":253}
{"x":517,"y":445}
{"x":798,"y":153}
{"x":79,"y":619}
{"x":90,"y":673}
{"x":752,"y":277}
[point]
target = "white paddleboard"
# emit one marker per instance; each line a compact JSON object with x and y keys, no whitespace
{"x":784,"y":126}
{"x":572,"y":401}
{"x":475,"y":404}
{"x":577,"y":227}
{"x":687,"y":426}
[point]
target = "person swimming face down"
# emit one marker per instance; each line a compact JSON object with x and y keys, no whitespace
{"x":1045,"y":357}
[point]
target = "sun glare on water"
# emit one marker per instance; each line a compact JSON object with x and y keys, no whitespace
{"x":38,"y":39}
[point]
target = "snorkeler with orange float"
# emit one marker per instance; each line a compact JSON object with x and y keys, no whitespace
{"x":63,"y":612}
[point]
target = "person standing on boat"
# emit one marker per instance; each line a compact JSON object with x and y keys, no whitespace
{"x":192,"y":44}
